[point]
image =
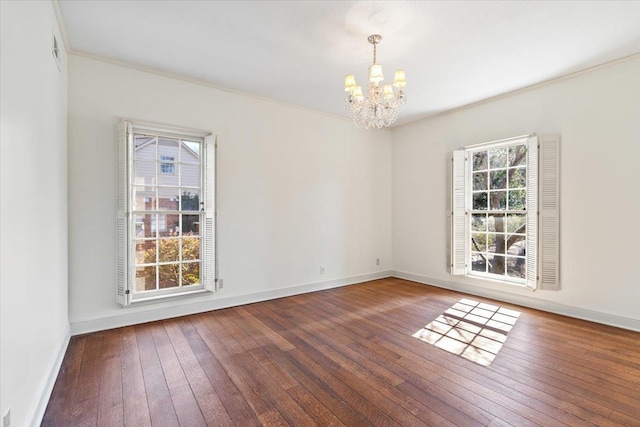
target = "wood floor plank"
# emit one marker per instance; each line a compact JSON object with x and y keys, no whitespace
{"x":238,"y":408}
{"x":110,"y":403}
{"x":85,"y":405}
{"x":184,"y":402}
{"x":134,"y":393}
{"x":346,"y":357}
{"x":159,"y":400}
{"x":208,"y":400}
{"x":58,"y":412}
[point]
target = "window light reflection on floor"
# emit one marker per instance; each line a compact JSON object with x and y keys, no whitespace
{"x":473,"y":330}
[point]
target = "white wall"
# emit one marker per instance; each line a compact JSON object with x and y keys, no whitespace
{"x":297,"y":190}
{"x":597,"y":115}
{"x":33,"y":249}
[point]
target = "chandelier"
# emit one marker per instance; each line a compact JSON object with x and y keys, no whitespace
{"x":380,"y":106}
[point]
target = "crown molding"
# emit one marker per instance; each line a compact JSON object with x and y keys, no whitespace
{"x":523,"y":89}
{"x":201,"y":82}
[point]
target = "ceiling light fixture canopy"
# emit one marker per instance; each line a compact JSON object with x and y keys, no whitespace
{"x":379,"y":108}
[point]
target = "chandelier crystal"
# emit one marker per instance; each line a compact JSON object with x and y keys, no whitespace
{"x":379,"y":108}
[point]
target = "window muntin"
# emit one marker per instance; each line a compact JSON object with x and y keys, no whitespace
{"x":166,"y":188}
{"x":496,"y":200}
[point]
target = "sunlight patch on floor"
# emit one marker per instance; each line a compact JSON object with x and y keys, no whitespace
{"x":471,"y":329}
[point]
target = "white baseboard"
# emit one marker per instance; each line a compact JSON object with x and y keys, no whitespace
{"x":41,"y":400}
{"x":127,"y":319}
{"x":526,"y":301}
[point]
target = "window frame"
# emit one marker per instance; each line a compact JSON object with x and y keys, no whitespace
{"x":470,"y":211}
{"x":540,"y":234}
{"x":128,"y":221}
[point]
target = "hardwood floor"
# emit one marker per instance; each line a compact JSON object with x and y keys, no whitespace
{"x":346,"y":357}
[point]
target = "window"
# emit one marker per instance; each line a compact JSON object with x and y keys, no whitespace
{"x":503,"y":227}
{"x":166,"y":190}
{"x":167,"y":166}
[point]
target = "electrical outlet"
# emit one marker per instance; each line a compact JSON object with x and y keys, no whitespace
{"x":220,"y":283}
{"x":377,"y":261}
{"x":6,"y":420}
{"x":322,"y":270}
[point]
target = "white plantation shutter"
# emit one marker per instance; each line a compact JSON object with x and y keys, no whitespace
{"x":209,"y":232}
{"x":549,"y":207}
{"x":122,"y":213}
{"x":458,"y":220}
{"x":531,"y":276}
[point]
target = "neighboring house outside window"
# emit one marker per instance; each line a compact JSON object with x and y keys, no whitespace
{"x":166,"y":190}
{"x":503,"y":227}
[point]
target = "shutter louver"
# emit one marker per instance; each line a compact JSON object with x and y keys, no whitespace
{"x":209,"y":238}
{"x":122,"y":214}
{"x":531,"y":277}
{"x":549,"y":205}
{"x":458,"y":217}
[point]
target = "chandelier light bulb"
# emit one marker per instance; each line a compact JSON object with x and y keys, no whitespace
{"x":388,"y":91}
{"x":357,"y":93}
{"x":349,"y":83}
{"x":375,"y":73}
{"x":400,"y":80}
{"x":379,"y":106}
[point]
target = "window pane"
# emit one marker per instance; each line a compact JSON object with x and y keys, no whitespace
{"x":169,"y":275}
{"x":479,"y":242}
{"x":169,"y":250}
{"x":143,"y":226}
{"x":145,"y":278}
{"x":190,"y":175}
{"x":480,"y":201}
{"x":518,"y":244}
{"x":168,"y":173}
{"x":496,"y":264}
{"x":144,"y":198}
{"x":516,"y":267}
{"x":172,"y":222}
{"x":478,"y":263}
{"x":144,"y":173}
{"x":496,"y":223}
{"x":145,"y":147}
{"x":518,"y":178}
{"x":190,"y":225}
{"x":498,"y":200}
{"x":190,"y":273}
{"x":167,"y":165}
{"x":190,"y":199}
{"x":145,"y":251}
{"x":479,"y":222}
{"x":517,"y":155}
{"x":168,"y":198}
{"x":167,"y":147}
{"x":498,"y":158}
{"x":498,"y":179}
{"x":480,"y":161}
{"x":516,"y":223}
{"x":190,"y":152}
{"x":190,"y":248}
{"x":480,"y":181}
{"x":517,"y":199}
{"x":497,"y":243}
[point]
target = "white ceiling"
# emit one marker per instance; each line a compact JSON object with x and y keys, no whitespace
{"x":298,"y":52}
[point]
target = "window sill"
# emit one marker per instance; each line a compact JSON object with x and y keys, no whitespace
{"x":157,"y":298}
{"x":485,"y":281}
